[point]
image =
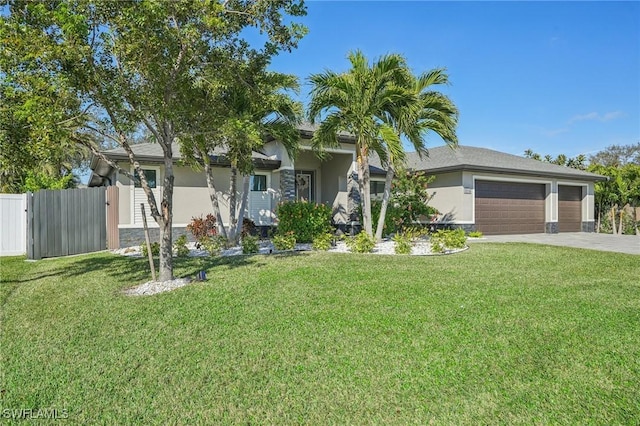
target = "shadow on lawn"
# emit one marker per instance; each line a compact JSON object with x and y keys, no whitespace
{"x":136,"y":269}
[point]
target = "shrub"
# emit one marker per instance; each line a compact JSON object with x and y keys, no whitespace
{"x":249,"y":244}
{"x":305,"y":220}
{"x":447,"y":239}
{"x":202,"y":227}
{"x":180,"y":246}
{"x":214,"y":245}
{"x":403,"y":243}
{"x":475,"y":234}
{"x":248,"y":227}
{"x":155,"y":249}
{"x":361,"y":243}
{"x":284,"y":241}
{"x":323,"y":241}
{"x":408,"y":203}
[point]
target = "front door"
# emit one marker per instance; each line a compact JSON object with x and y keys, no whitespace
{"x":304,"y":186}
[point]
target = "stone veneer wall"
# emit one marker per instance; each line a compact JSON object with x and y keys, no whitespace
{"x":287,"y":185}
{"x":353,"y":197}
{"x":551,"y":227}
{"x":588,"y":227}
{"x":135,"y":236}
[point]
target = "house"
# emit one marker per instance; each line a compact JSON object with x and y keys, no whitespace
{"x":474,"y":188}
{"x":276,"y":178}
{"x":498,"y":193}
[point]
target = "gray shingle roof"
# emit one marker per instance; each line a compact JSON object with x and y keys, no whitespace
{"x":443,"y":159}
{"x":153,"y":151}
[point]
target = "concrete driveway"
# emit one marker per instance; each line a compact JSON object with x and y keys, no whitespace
{"x":604,"y":242}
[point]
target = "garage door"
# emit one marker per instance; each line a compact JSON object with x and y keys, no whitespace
{"x":509,"y":207}
{"x":569,"y":208}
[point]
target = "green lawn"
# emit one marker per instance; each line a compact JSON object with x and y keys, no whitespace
{"x":511,"y":333}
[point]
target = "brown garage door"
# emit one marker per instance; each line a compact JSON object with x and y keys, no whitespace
{"x":509,"y":207}
{"x":569,"y":208}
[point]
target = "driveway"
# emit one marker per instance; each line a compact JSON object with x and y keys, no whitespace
{"x":604,"y":242}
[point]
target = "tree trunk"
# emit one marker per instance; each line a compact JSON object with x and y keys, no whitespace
{"x":613,"y":220}
{"x":620,"y":221}
{"x":166,"y":220}
{"x":599,"y":218}
{"x":243,"y":205}
{"x":365,"y":190}
{"x":385,"y":202}
{"x":213,"y":195}
{"x":233,"y":183}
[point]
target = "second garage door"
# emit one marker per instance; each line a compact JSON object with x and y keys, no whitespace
{"x":509,"y":207}
{"x":569,"y":208}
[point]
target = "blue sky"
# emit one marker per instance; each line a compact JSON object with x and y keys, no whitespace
{"x":556,"y":77}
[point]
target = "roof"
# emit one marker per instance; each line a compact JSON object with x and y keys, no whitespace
{"x":444,"y":159}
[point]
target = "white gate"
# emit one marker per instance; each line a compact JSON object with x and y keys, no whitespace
{"x":13,"y":222}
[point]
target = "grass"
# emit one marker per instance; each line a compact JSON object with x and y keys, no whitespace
{"x":502,"y":333}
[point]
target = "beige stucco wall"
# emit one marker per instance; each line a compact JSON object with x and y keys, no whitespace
{"x":448,"y":197}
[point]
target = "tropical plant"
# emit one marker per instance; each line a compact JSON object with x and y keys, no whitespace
{"x":286,"y":241}
{"x":361,"y":243}
{"x":322,"y":242}
{"x":202,"y":228}
{"x":180,"y":246}
{"x":359,"y":101}
{"x":447,"y":239}
{"x":249,"y":244}
{"x":430,"y":111}
{"x":402,"y":243}
{"x":306,"y":220}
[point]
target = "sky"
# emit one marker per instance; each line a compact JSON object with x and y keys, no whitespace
{"x":554,"y":77}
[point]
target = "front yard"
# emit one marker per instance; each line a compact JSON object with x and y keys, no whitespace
{"x":510,"y":333}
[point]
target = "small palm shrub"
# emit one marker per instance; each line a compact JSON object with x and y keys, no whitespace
{"x":361,"y":243}
{"x":475,"y":234}
{"x":403,"y":243}
{"x":305,"y":220}
{"x":214,"y":245}
{"x":284,"y":241}
{"x":443,"y":240}
{"x":155,"y":249}
{"x":249,"y":244}
{"x":180,"y":246}
{"x":248,"y":227}
{"x":322,"y":242}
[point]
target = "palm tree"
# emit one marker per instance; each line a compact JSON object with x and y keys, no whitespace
{"x":358,"y":102}
{"x":431,"y":111}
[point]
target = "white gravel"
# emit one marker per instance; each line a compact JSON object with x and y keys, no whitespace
{"x":386,"y":247}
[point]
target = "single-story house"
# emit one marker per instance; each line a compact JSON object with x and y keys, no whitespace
{"x":474,"y":188}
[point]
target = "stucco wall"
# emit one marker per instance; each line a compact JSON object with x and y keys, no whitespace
{"x":448,"y":197}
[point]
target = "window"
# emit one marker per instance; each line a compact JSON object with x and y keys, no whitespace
{"x":258,"y":183}
{"x":150,"y":174}
{"x":377,"y":189}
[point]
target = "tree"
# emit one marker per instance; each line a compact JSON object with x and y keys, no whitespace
{"x":256,"y":107}
{"x":617,"y":155}
{"x":358,"y":101}
{"x":577,"y":162}
{"x":429,"y":111}
{"x":133,"y":65}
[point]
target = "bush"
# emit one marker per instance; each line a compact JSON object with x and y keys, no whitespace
{"x":249,"y":244}
{"x":202,"y":227}
{"x":403,"y":243}
{"x":323,"y":241}
{"x":248,"y":227}
{"x":214,"y":245}
{"x":408,"y":203}
{"x":443,"y":240}
{"x":475,"y":234}
{"x":361,"y":243}
{"x":284,"y":241}
{"x":180,"y":246}
{"x":155,"y":249}
{"x":305,"y":220}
